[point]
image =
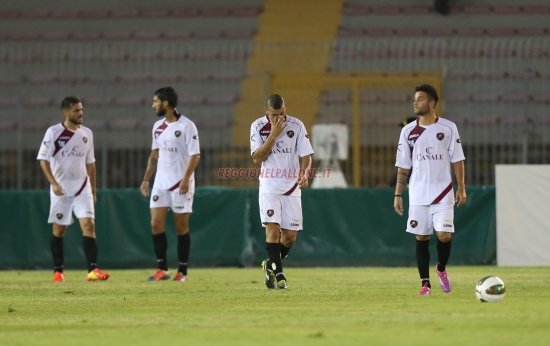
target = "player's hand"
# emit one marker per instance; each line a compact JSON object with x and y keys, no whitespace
{"x":57,"y":190}
{"x":277,"y":125}
{"x":398,"y":205}
{"x":184,"y":186}
{"x":461,"y":197}
{"x":303,"y":182}
{"x":144,"y":188}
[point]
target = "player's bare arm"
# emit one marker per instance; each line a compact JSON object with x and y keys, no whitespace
{"x":184,"y":183}
{"x":151,"y":169}
{"x":45,"y":165}
{"x":461,"y":190}
{"x":90,"y":168}
{"x":402,"y":175}
{"x":304,"y":172}
{"x":277,"y":126}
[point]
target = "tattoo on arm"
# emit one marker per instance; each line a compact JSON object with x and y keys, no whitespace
{"x":401,"y":180}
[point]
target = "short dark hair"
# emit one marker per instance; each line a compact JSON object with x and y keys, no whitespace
{"x":428,"y":89}
{"x":275,"y":101}
{"x":168,"y":94}
{"x":69,"y":101}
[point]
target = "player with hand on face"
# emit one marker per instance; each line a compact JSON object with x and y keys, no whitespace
{"x":174,"y":156}
{"x":68,"y":162}
{"x":429,"y":146}
{"x":277,"y":142}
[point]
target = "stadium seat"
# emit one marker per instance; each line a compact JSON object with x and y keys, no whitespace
{"x":86,"y":35}
{"x":126,"y":124}
{"x":125,"y":13}
{"x":417,"y":9}
{"x":380,"y":32}
{"x":37,"y":101}
{"x":536,"y":9}
{"x":36,"y":125}
{"x":146,"y":123}
{"x":94,"y":124}
{"x":65,"y":14}
{"x":439,"y":31}
{"x":8,"y":101}
{"x":95,"y":101}
{"x":385,"y":10}
{"x":228,"y":78}
{"x":165,"y":78}
{"x":355,"y":10}
{"x":9,"y":14}
{"x":514,"y":97}
{"x":191,"y":100}
{"x":35,"y":14}
{"x":351,"y":32}
{"x":148,"y":35}
{"x":222,"y":99}
{"x":335,"y":97}
{"x":56,"y":35}
{"x":239,"y":33}
{"x":501,"y":31}
{"x":215,"y":12}
{"x":8,"y":80}
{"x":7,"y":124}
{"x":127,"y":101}
{"x":485,"y":97}
{"x":509,"y":9}
{"x":470,"y":31}
{"x":460,"y":97}
{"x":117,"y":35}
{"x":24,"y":36}
{"x":540,"y":119}
{"x":534,"y":31}
{"x":207,"y":34}
{"x":541,"y":97}
{"x":155,"y":13}
{"x":138,"y":77}
{"x":477,"y":9}
{"x":41,"y":79}
{"x":185,"y":12}
{"x":410,"y":31}
{"x":177,"y":34}
{"x":95,"y":14}
{"x":245,"y":11}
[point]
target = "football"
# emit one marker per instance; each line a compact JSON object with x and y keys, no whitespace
{"x":490,"y":289}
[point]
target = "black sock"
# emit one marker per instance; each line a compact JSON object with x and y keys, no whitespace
{"x":90,"y":250}
{"x":274,"y":253}
{"x":184,"y":244}
{"x":443,"y":254}
{"x":284,"y":251}
{"x":160,"y":243}
{"x":56,"y":245}
{"x":423,"y":260}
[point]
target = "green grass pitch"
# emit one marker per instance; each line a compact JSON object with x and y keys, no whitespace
{"x":230,"y":306}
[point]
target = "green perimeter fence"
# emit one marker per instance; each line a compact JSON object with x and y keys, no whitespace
{"x":342,"y":227}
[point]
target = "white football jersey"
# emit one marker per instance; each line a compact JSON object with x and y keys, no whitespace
{"x":429,"y":152}
{"x":279,"y":172}
{"x":68,"y":153}
{"x":176,"y":143}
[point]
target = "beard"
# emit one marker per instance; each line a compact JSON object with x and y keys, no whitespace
{"x":421,"y":112}
{"x":76,"y":121}
{"x":161,"y":112}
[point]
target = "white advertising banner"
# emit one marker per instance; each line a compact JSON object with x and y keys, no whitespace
{"x":523,"y":222}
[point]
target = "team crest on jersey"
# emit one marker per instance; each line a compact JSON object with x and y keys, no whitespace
{"x":59,"y":216}
{"x":85,"y":139}
{"x":440,"y":136}
{"x":270,"y":212}
{"x":414,"y":223}
{"x":155,"y":198}
{"x":290,"y":134}
{"x":177,"y":133}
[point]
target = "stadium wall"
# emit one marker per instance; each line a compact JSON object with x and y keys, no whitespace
{"x":343,"y":227}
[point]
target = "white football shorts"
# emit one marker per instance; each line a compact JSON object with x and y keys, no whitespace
{"x":283,"y":210}
{"x":423,"y":219}
{"x":62,"y":207}
{"x":180,"y":204}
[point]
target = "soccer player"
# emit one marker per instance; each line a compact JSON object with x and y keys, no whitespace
{"x":174,"y":156}
{"x":429,"y":146}
{"x":277,"y":140}
{"x":68,"y":162}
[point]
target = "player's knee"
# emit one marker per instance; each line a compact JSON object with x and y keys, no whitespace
{"x":59,"y":230}
{"x":444,"y":237}
{"x":182,"y":230}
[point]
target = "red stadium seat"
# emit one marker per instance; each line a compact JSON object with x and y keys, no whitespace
{"x":515,"y":97}
{"x":410,"y":32}
{"x":191,"y":100}
{"x":35,"y":14}
{"x":127,"y":101}
{"x":439,"y":31}
{"x":94,"y":123}
{"x":95,"y":14}
{"x":246,"y":11}
{"x":355,"y":10}
{"x":385,"y":10}
{"x":155,"y":13}
{"x":417,"y":9}
{"x":477,"y":9}
{"x":117,"y":35}
{"x":185,"y":12}
{"x":127,"y":124}
{"x":38,"y":101}
{"x":380,"y":32}
{"x":148,"y":35}
{"x":470,"y":31}
{"x":135,"y":78}
{"x":208,"y":34}
{"x":501,"y":31}
{"x":9,"y":14}
{"x":332,"y":97}
{"x":24,"y":36}
{"x":178,"y":35}
{"x":351,"y":32}
{"x":460,"y":97}
{"x":8,"y":80}
{"x":215,"y":12}
{"x":222,"y":100}
{"x":535,"y":9}
{"x":510,"y":9}
{"x":532,"y":31}
{"x":95,"y":101}
{"x":485,"y":97}
{"x":239,"y":33}
{"x":41,"y":79}
{"x":86,"y":35}
{"x":8,"y":101}
{"x":65,"y":14}
{"x":56,"y":35}
{"x":125,"y":13}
